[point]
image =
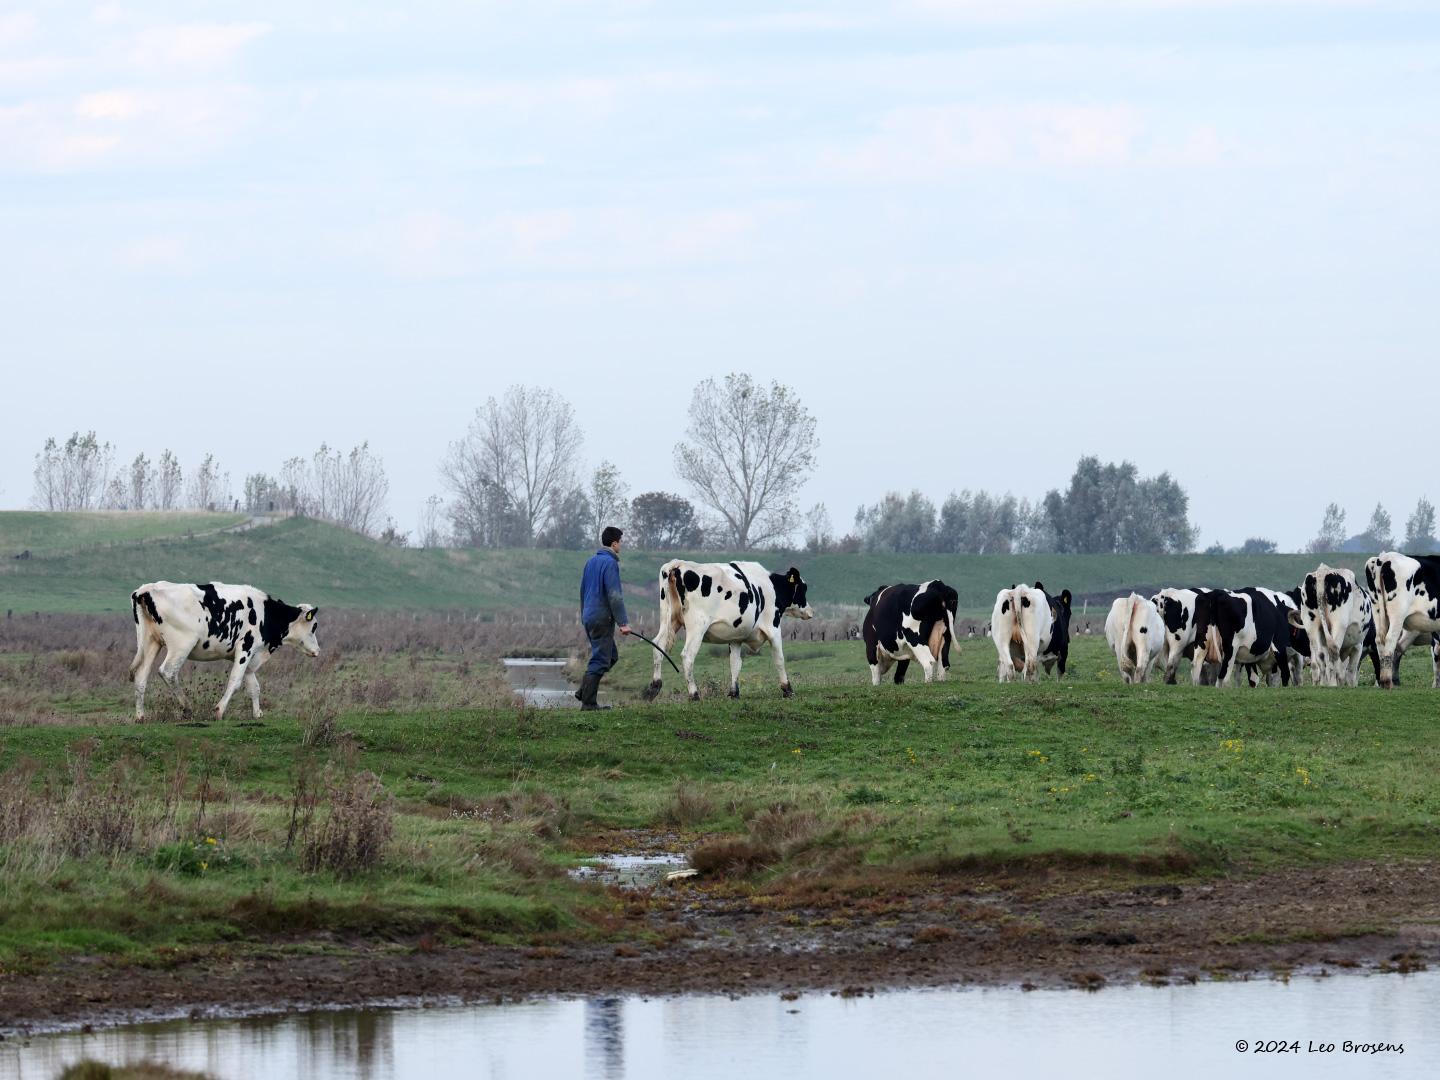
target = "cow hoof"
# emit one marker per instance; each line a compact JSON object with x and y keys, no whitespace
{"x":695,"y":696}
{"x":734,"y":691}
{"x":787,"y":690}
{"x":650,"y":693}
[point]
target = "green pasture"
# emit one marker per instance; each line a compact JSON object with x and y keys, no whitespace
{"x":960,"y":777}
{"x":90,"y":563}
{"x":44,"y":534}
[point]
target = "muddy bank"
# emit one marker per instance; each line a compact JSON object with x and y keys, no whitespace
{"x":1043,"y":929}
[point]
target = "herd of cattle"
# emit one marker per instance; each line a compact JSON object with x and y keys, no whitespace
{"x":1330,"y":620}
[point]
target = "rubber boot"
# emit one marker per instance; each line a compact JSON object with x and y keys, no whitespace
{"x":588,"y":689}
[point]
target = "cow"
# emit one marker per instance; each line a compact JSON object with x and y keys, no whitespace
{"x":1030,"y":628}
{"x":1177,"y":613}
{"x":735,"y":604}
{"x":214,"y":621}
{"x":1406,"y":592}
{"x":1241,"y":627}
{"x":910,"y":622}
{"x":1337,"y":617}
{"x":1136,"y":635}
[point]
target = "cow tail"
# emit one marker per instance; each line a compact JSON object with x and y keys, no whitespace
{"x":143,"y":629}
{"x":1017,"y":630}
{"x":675,"y":589}
{"x":1132,"y":636}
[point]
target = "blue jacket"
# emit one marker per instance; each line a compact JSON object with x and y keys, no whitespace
{"x":600,"y":599}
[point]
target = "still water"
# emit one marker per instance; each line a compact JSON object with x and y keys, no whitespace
{"x":541,"y":682}
{"x":1172,"y":1032}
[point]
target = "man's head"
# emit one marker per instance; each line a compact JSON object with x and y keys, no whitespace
{"x":610,"y":538}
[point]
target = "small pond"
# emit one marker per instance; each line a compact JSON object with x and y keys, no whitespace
{"x":1174,"y":1031}
{"x":541,"y":682}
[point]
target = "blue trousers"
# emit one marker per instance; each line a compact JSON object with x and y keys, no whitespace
{"x":603,"y":653}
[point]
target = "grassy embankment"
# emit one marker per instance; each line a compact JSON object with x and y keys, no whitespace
{"x":325,"y":565}
{"x":156,"y":843}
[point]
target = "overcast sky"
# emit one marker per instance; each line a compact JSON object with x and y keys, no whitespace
{"x":979,"y":237}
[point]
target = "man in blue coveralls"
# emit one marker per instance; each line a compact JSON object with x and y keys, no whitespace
{"x":602,"y":608}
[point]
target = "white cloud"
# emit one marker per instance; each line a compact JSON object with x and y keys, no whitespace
{"x":121,"y":126}
{"x":198,"y":45}
{"x":933,"y":142}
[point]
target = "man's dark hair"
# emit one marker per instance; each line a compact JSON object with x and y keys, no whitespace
{"x":610,"y":535}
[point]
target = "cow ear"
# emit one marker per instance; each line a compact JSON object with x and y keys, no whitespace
{"x":310,"y":615}
{"x":1065,"y":598}
{"x":793,"y":576}
{"x":1039,"y":586}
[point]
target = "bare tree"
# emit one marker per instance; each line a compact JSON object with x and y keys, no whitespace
{"x":72,"y":476}
{"x":819,"y":533}
{"x":609,"y":500}
{"x":1332,"y":530}
{"x":209,"y":486}
{"x":1420,"y":528}
{"x":116,"y":496}
{"x":350,"y":489}
{"x":1379,"y":535}
{"x":168,"y":482}
{"x":141,"y":483}
{"x":748,"y":453}
{"x":512,"y":468}
{"x":431,"y":513}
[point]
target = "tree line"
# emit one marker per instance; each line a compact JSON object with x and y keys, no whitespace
{"x":348,"y":488}
{"x":514,"y":478}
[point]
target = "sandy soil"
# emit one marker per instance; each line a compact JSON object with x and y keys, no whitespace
{"x":1047,"y":928}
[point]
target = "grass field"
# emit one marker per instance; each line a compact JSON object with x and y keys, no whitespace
{"x":160,"y":842}
{"x":45,"y":534}
{"x":326,"y":565}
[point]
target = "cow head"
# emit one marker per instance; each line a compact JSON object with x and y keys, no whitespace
{"x":303,"y":628}
{"x":792,"y":586}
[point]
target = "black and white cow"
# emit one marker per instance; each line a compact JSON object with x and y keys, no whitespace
{"x":910,"y":622}
{"x":1177,"y":612}
{"x":1406,"y":593}
{"x":735,"y":604}
{"x":1030,"y":627}
{"x":214,"y":621}
{"x":1241,"y":627}
{"x":1136,"y":636}
{"x":1338,"y":621}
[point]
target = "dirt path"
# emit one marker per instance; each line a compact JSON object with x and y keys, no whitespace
{"x":1048,"y":929}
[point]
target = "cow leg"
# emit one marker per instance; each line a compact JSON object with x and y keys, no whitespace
{"x":926,"y":661}
{"x":1226,"y":676}
{"x":252,"y":687}
{"x":902,"y":668}
{"x":735,"y":671}
{"x":779,"y":651}
{"x":1435,"y":661}
{"x":237,"y":673}
{"x":170,"y":671}
{"x":141,"y":671}
{"x":693,"y":640}
{"x":664,"y":637}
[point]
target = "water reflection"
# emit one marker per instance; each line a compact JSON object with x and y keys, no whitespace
{"x":1183,"y":1031}
{"x":604,"y":1039}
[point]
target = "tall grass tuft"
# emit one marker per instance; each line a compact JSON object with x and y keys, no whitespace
{"x":360,"y":822}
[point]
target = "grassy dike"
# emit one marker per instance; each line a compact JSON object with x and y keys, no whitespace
{"x":491,"y":804}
